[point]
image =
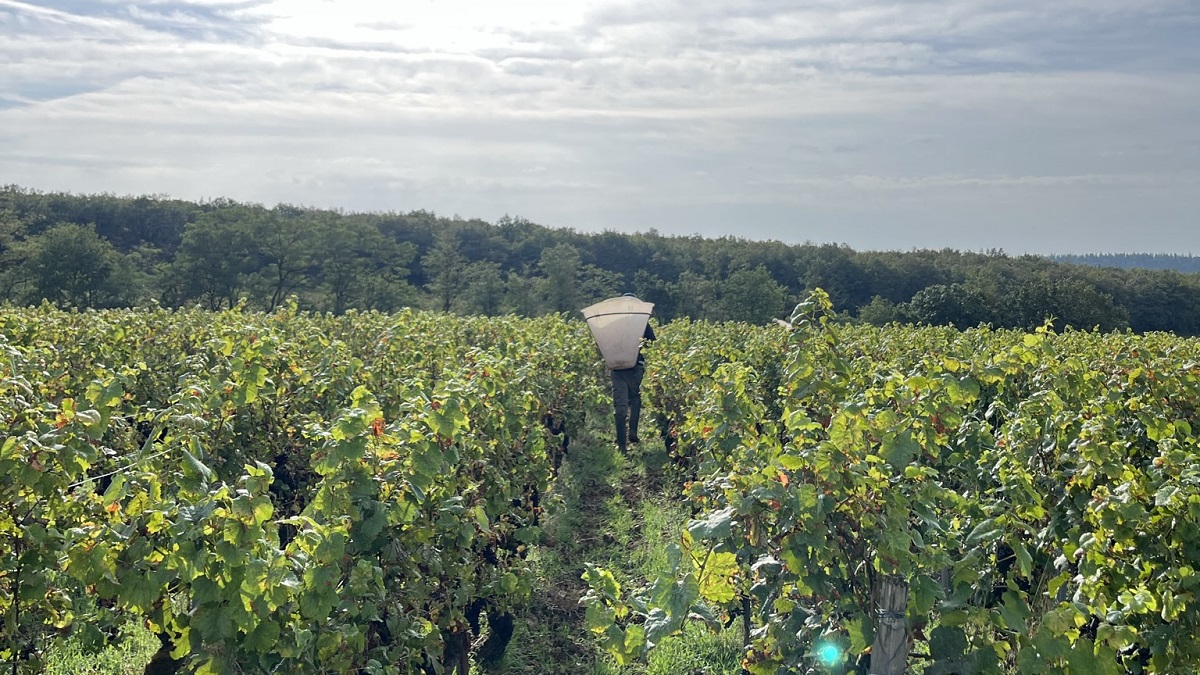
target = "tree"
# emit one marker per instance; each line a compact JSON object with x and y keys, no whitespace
{"x":217,"y":252}
{"x":879,"y":312}
{"x":561,"y":266}
{"x":357,"y":266}
{"x":836,"y":270}
{"x":386,"y":288}
{"x":485,"y":289}
{"x":445,"y":267}
{"x":753,"y":296}
{"x":522,"y":293}
{"x":597,"y":283}
{"x":146,"y":269}
{"x":12,"y":230}
{"x":71,"y":265}
{"x":1070,"y":302}
{"x":283,"y":242}
{"x":955,"y":305}
{"x":695,"y":296}
{"x":616,"y":252}
{"x":214,"y":259}
{"x":1163,"y":301}
{"x":651,"y":288}
{"x":1082,"y":306}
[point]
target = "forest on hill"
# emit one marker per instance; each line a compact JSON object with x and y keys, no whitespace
{"x":1128,"y":261}
{"x":113,"y":251}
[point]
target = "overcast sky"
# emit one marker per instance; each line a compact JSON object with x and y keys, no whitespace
{"x":1042,"y":126}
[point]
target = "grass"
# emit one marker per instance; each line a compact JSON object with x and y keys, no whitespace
{"x":611,"y":510}
{"x":587,"y":521}
{"x":128,"y":655}
{"x":697,"y":650}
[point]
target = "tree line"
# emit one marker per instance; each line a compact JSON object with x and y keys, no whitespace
{"x":1151,"y":261}
{"x":114,"y":251}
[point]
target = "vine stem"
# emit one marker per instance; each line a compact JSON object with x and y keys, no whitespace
{"x":745,"y":626}
{"x":16,"y":605}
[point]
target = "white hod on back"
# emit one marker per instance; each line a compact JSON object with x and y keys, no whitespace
{"x":617,"y":324}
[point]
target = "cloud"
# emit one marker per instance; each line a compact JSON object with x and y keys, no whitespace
{"x":882,"y":118}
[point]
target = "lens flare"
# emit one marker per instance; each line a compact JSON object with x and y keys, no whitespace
{"x":829,"y":654}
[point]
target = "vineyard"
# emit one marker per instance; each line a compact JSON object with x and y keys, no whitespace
{"x":927,"y":500}
{"x":277,"y":493}
{"x":301,"y":493}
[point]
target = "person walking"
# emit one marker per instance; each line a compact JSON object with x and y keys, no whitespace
{"x":620,"y":327}
{"x":627,"y":396}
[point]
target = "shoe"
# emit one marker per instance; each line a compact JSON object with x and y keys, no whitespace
{"x":621,"y":421}
{"x":635,"y":412}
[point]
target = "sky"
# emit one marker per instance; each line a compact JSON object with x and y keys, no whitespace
{"x":1032,"y":126}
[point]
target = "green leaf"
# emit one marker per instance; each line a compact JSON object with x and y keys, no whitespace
{"x":107,"y":397}
{"x":899,"y":449}
{"x":256,"y":374}
{"x":635,"y":645}
{"x":955,"y":617}
{"x":213,"y":623}
{"x":660,"y":624}
{"x":1044,"y":650}
{"x":1116,"y":637}
{"x":947,"y":643}
{"x":861,"y":632}
{"x":719,"y":525}
{"x":528,"y":535}
{"x":427,"y":460}
{"x":140,"y":591}
{"x":716,"y":572}
{"x":792,"y":462}
{"x":196,"y":466}
{"x":347,"y":427}
{"x":509,"y":583}
{"x":1064,"y":620}
{"x":263,"y":639}
{"x":263,"y":510}
{"x":1165,"y":494}
{"x":925,"y":593}
{"x":1081,"y":658}
{"x":603,"y":581}
{"x":1158,"y":429}
{"x":1183,"y":427}
{"x":1014,"y":611}
{"x":93,"y":423}
{"x":481,"y":520}
{"x":1024,"y":559}
{"x":116,"y":491}
{"x":598,"y":617}
{"x":1139,"y":600}
{"x":984,"y":532}
{"x":675,"y":600}
{"x":214,"y":666}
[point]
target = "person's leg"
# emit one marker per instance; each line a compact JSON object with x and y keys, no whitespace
{"x":620,"y":395}
{"x":635,"y":402}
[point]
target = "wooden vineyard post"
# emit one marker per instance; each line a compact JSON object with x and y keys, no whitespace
{"x":889,"y":653}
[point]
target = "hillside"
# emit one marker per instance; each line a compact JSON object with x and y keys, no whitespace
{"x":110,"y":251}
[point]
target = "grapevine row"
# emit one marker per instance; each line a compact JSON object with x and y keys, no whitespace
{"x":276,"y":493}
{"x":1035,"y":497}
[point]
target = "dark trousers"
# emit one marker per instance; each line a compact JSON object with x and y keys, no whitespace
{"x":627,"y":400}
{"x":627,"y":389}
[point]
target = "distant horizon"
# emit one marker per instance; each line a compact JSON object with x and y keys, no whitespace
{"x":1031,"y":127}
{"x":493,"y":221}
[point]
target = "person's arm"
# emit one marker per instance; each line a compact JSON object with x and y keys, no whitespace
{"x":648,"y":334}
